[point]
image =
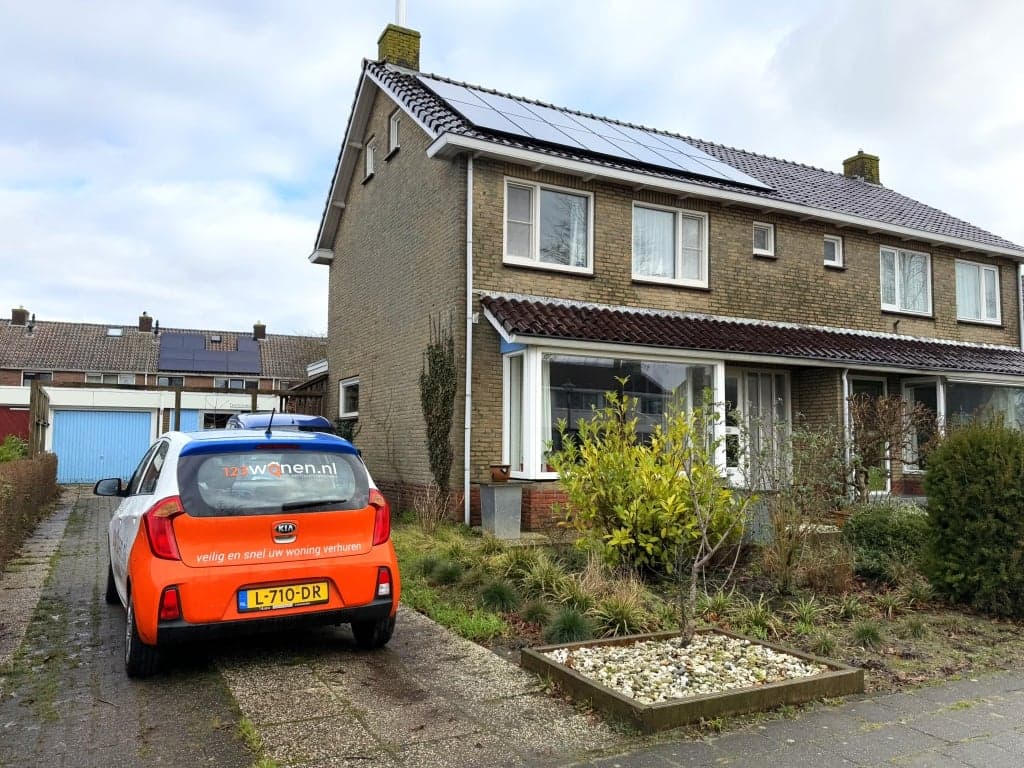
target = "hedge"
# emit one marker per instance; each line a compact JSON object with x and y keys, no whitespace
{"x":27,"y":486}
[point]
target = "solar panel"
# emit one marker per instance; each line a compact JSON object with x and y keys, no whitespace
{"x":512,"y":116}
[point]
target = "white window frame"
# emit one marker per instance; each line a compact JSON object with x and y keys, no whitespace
{"x":982,"y":268}
{"x":678,"y":215}
{"x":394,"y":125}
{"x":224,"y":382}
{"x":342,"y":386}
{"x":839,"y":260}
{"x":770,"y":228}
{"x":910,"y":466}
{"x":737,"y":476}
{"x":534,"y":261}
{"x":532,"y":415}
{"x":369,"y":160}
{"x":896,"y":280}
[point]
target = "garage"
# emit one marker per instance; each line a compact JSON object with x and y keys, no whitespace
{"x":13,"y":421}
{"x":91,"y":445}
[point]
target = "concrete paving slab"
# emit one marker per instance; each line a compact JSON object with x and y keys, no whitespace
{"x":983,"y":754}
{"x":281,"y":695}
{"x":883,"y":744}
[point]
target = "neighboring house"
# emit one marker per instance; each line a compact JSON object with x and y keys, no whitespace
{"x":571,"y":249}
{"x":102,"y":430}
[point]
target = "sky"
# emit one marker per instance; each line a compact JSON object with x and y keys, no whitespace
{"x":175,"y":157}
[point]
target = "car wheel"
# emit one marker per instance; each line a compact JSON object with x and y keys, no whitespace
{"x":140,"y":660}
{"x":373,"y":634}
{"x":111,"y":597}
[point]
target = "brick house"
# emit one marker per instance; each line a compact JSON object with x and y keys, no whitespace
{"x":100,"y":426}
{"x":569,"y":249}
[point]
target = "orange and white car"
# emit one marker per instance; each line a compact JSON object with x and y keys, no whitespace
{"x":236,"y":531}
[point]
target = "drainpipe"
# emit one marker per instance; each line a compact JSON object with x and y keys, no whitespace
{"x":846,"y":415}
{"x":469,"y":339}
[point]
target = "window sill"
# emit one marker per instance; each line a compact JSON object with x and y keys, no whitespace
{"x":985,"y":323}
{"x":836,"y":267}
{"x":367,"y":178}
{"x":693,"y":286}
{"x":538,"y":476}
{"x":544,"y":266}
{"x":391,"y":154}
{"x":351,"y":415}
{"x":907,"y":313}
{"x":765,"y":255}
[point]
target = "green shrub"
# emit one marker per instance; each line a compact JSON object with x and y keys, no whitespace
{"x":499,"y":596}
{"x":883,"y":533}
{"x":536,"y":612}
{"x":573,"y":592}
{"x":13,"y":447}
{"x":622,"y":613}
{"x":445,"y":572}
{"x":543,"y":577}
{"x":975,"y":487}
{"x":643,"y":500}
{"x":849,"y":607}
{"x":568,"y":626}
{"x":757,"y":619}
{"x":822,"y":644}
{"x":867,"y":634}
{"x":716,"y":605}
{"x":426,"y":564}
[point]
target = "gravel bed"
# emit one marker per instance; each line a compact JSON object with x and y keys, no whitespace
{"x":652,"y":671}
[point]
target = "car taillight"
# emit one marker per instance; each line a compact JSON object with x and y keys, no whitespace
{"x":382,"y":518}
{"x":383,"y":582}
{"x":160,"y":529}
{"x":170,"y":604}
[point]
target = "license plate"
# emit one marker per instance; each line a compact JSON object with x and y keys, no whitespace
{"x":289,"y":596}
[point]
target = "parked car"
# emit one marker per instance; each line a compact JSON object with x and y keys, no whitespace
{"x":231,"y":531}
{"x":293,"y":421}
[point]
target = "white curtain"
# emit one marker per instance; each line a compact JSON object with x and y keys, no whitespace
{"x":968,"y":292}
{"x":888,"y":271}
{"x":654,"y":242}
{"x":693,"y":260}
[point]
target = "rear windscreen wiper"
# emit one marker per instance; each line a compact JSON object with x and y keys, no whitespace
{"x":312,"y":503}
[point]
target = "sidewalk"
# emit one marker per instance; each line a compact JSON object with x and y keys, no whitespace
{"x":964,"y":723}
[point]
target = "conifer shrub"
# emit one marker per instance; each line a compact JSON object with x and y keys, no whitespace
{"x":975,"y":486}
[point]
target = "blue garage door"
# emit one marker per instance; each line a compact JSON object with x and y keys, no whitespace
{"x":189,"y":421}
{"x":91,"y":445}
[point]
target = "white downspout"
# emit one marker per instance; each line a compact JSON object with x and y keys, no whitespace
{"x":846,"y":416}
{"x":469,"y":340}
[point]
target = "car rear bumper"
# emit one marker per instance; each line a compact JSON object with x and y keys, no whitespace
{"x":181,"y":631}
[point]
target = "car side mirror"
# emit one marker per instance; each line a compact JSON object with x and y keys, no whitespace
{"x":109,"y":487}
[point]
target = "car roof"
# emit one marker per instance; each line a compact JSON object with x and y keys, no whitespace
{"x":214,"y":440}
{"x":262,"y":418}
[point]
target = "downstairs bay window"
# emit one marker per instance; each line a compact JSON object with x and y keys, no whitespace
{"x":543,"y":387}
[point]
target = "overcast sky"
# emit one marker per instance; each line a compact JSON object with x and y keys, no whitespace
{"x":175,"y":157}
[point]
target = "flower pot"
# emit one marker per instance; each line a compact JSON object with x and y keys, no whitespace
{"x":500,"y":473}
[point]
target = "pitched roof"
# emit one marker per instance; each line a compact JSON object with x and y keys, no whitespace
{"x":63,"y":346}
{"x":536,"y":316}
{"x":790,"y":182}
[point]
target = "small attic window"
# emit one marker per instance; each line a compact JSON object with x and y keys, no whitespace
{"x":114,"y":331}
{"x":215,"y":338}
{"x":394,"y":123}
{"x":368,"y":158}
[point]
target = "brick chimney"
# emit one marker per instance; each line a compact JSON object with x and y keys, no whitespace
{"x":19,"y":316}
{"x":862,"y":166}
{"x":259,"y":331}
{"x":400,"y":46}
{"x":145,"y":323}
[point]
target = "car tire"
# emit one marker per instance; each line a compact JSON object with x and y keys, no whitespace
{"x":373,"y":634}
{"x":140,"y":660}
{"x":111,"y":597}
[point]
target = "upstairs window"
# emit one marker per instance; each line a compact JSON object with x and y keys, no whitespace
{"x":27,"y":377}
{"x":110,"y":378}
{"x":977,"y":292}
{"x":833,"y":251}
{"x":764,"y":239}
{"x":394,"y":123}
{"x":170,"y":381}
{"x":368,"y":156}
{"x":670,"y":246}
{"x":225,"y":383}
{"x":547,"y":227}
{"x":906,"y":278}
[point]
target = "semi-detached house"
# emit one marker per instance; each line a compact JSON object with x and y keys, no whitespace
{"x":568,"y":249}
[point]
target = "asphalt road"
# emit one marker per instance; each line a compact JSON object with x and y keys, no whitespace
{"x":66,"y":700}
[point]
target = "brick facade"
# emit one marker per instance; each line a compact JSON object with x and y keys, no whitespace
{"x":399,"y":259}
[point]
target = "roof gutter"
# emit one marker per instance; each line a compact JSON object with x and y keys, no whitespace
{"x":450,"y":142}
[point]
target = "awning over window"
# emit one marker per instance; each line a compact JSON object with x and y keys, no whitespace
{"x":532,"y":316}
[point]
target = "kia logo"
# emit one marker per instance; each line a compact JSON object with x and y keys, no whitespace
{"x":285,"y":529}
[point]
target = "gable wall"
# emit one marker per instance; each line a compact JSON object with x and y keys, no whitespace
{"x":793,"y":287}
{"x":399,"y":260}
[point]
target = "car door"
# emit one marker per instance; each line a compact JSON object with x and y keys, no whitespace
{"x":124,"y":526}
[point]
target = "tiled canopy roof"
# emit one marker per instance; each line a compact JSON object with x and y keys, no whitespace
{"x":790,"y":182}
{"x":555,"y":319}
{"x":60,"y":346}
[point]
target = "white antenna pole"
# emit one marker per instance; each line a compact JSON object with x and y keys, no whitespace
{"x":400,"y":12}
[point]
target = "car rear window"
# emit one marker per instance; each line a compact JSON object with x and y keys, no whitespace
{"x":270,"y":482}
